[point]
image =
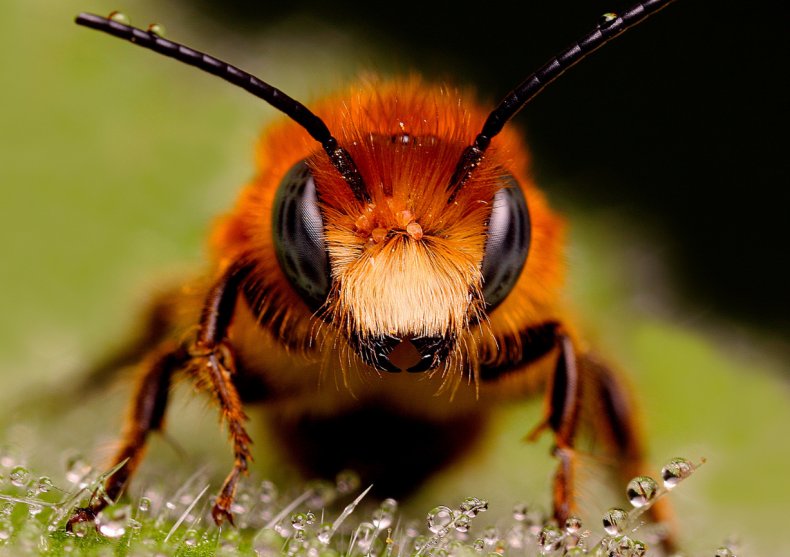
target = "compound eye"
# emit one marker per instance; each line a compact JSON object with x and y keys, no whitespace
{"x":507,"y":243}
{"x":299,"y":236}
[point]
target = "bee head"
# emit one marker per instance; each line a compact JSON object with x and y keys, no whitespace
{"x":404,"y":273}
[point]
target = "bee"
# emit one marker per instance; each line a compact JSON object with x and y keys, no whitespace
{"x":391,"y":266}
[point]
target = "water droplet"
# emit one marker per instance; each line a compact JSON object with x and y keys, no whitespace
{"x":34,"y":509}
{"x":135,"y":526}
{"x":382,"y":518}
{"x":622,"y":546}
{"x":44,"y":484}
{"x":156,"y":29}
{"x":724,"y":552}
{"x":641,"y":491}
{"x":472,"y":506}
{"x":607,"y":19}
{"x":614,"y":521}
{"x":112,"y":528}
{"x":390,"y":505}
{"x":82,"y":529}
{"x":77,"y":470}
{"x":19,"y":476}
{"x":490,"y":535}
{"x":366,"y":533}
{"x":144,"y":505}
{"x":479,"y":545}
{"x":640,"y":549}
{"x":324,"y":533}
{"x":462,"y":523}
{"x":550,"y":539}
{"x":298,"y":521}
{"x":573,"y":524}
{"x":323,"y":493}
{"x":190,"y":537}
{"x":267,"y":492}
{"x":675,"y":471}
{"x":347,"y":481}
{"x":439,"y":518}
{"x":119,"y":17}
{"x":520,"y":511}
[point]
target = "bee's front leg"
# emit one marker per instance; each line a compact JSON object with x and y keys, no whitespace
{"x":562,"y":416}
{"x":212,"y":366}
{"x":146,"y":414}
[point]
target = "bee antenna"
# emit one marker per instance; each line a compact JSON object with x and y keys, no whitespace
{"x":610,"y":26}
{"x":341,"y":159}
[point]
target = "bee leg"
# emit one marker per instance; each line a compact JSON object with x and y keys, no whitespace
{"x":564,"y":401}
{"x":619,"y":421}
{"x":146,"y":414}
{"x":213,"y":366}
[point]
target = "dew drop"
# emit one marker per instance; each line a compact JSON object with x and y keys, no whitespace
{"x":462,"y":524}
{"x":366,"y":533}
{"x":550,"y":539}
{"x":614,"y":521}
{"x":573,"y":524}
{"x":44,"y":484}
{"x":135,"y":526}
{"x":19,"y":476}
{"x":267,"y":492}
{"x":439,"y":519}
{"x":190,"y":538}
{"x":641,"y":491}
{"x":82,"y":529}
{"x":622,"y":546}
{"x":490,"y":535}
{"x":144,"y":505}
{"x":323,"y":493}
{"x":389,"y":505}
{"x":77,"y":470}
{"x":640,"y":549}
{"x":724,"y":552}
{"x":324,"y":533}
{"x":112,"y":528}
{"x":347,"y":481}
{"x":479,"y":545}
{"x":156,"y":29}
{"x":298,"y":521}
{"x":34,"y":509}
{"x":472,"y":506}
{"x":520,"y":511}
{"x":119,"y":17}
{"x":607,"y":19}
{"x":382,"y":518}
{"x":675,"y":471}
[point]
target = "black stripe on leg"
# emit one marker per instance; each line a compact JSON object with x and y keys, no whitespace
{"x":535,"y":342}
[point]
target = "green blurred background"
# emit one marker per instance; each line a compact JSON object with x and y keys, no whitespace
{"x":666,"y":150}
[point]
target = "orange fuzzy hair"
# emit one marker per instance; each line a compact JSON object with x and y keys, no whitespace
{"x":408,"y":262}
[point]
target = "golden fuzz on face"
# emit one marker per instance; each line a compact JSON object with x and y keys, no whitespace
{"x":404,"y":286}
